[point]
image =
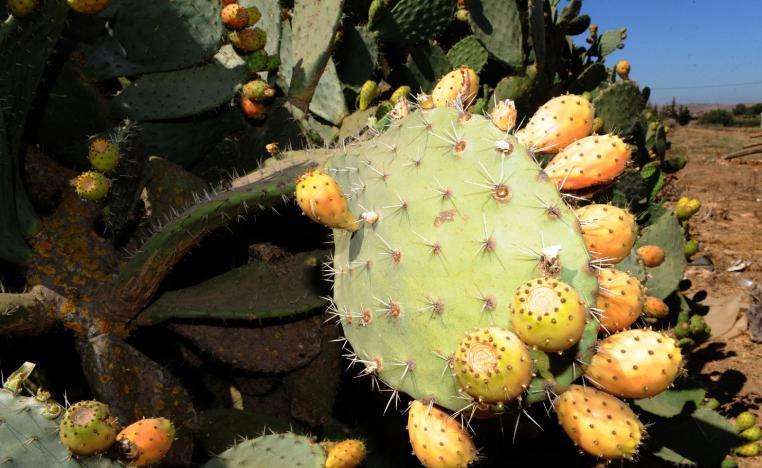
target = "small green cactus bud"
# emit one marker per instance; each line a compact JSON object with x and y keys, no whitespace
{"x":711,"y":403}
{"x":745,"y":420}
{"x":254,"y":15}
{"x":273,"y":62}
{"x":690,"y":248}
{"x":752,"y":434}
{"x":729,"y":462}
{"x":402,"y":91}
{"x":686,"y":343}
{"x":698,"y":326}
{"x":257,"y":61}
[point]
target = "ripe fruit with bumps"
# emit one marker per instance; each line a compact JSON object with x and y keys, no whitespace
{"x":234,"y":16}
{"x":345,"y":454}
{"x":258,"y":90}
{"x":252,"y":109}
{"x":745,"y":420}
{"x":438,"y":440}
{"x":651,"y":255}
{"x":147,"y":441}
{"x":103,"y":155}
{"x":459,"y":85}
{"x":87,"y":428}
{"x":609,"y":231}
{"x":622,"y":69}
{"x":21,"y":8}
{"x":88,"y":6}
{"x":589,"y":161}
{"x":558,"y":123}
{"x":655,"y":308}
{"x":620,"y":299}
{"x":92,"y":185}
{"x":687,"y":207}
{"x":503,"y":115}
{"x":321,"y":199}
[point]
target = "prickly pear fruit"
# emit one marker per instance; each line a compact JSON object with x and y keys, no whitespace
{"x":690,"y":248}
{"x":600,"y":424}
{"x":345,"y":454}
{"x":751,"y":449}
{"x":459,"y":85}
{"x":548,"y":314}
{"x":492,"y":365}
{"x":257,"y":61}
{"x":711,"y":403}
{"x":399,"y":93}
{"x":461,"y":14}
{"x":103,"y":155}
{"x":321,"y":198}
{"x":234,"y":16}
{"x":620,"y":299}
{"x":92,"y":185}
{"x":248,"y":40}
{"x":438,"y":440}
{"x":558,"y":123}
{"x":745,"y":420}
{"x":88,"y":6}
{"x":424,"y":101}
{"x":273,"y":62}
{"x":651,"y":255}
{"x":258,"y":90}
{"x":21,"y":8}
{"x":752,"y":434}
{"x":609,"y":232}
{"x":368,"y":93}
{"x":687,"y":207}
{"x":254,"y":15}
{"x":503,"y":115}
{"x":253,"y":110}
{"x":87,"y":428}
{"x":622,"y":69}
{"x":147,"y":441}
{"x":655,"y":308}
{"x":635,"y":363}
{"x":589,"y":161}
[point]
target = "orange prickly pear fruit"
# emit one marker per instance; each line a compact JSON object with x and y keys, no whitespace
{"x":503,"y":115}
{"x":234,"y":16}
{"x":438,"y":440}
{"x":620,"y":299}
{"x":345,"y":454}
{"x":635,"y":363}
{"x":655,"y":308}
{"x":460,"y":85}
{"x":88,"y":6}
{"x":589,"y":161}
{"x":320,"y":197}
{"x":609,"y":232}
{"x":623,"y":69}
{"x":252,"y":109}
{"x":652,"y":255}
{"x":558,"y":123}
{"x":598,"y":423}
{"x":147,"y":441}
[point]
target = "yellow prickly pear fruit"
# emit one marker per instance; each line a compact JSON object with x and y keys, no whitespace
{"x":399,"y":93}
{"x":635,"y":363}
{"x":651,"y":255}
{"x":752,"y":449}
{"x":687,"y":207}
{"x":368,"y":93}
{"x":103,"y":155}
{"x":88,"y":6}
{"x":600,"y":424}
{"x":21,"y":8}
{"x":147,"y":441}
{"x":92,"y":185}
{"x":503,"y":115}
{"x":438,"y":440}
{"x":258,"y":90}
{"x":620,"y":299}
{"x":745,"y":420}
{"x":424,"y":101}
{"x":558,"y":123}
{"x":655,"y":308}
{"x":320,"y":197}
{"x":590,"y":161}
{"x":609,"y":232}
{"x":345,"y":454}
{"x":459,"y":85}
{"x":623,"y":69}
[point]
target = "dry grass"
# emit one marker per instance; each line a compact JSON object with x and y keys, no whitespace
{"x":708,"y":143}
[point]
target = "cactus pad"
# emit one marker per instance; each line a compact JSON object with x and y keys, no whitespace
{"x":619,"y":105}
{"x":272,"y":450}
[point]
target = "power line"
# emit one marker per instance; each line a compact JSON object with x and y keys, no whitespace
{"x":728,"y":85}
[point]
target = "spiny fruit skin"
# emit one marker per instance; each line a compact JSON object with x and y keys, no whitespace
{"x":258,"y":90}
{"x":687,"y":207}
{"x":248,"y":40}
{"x":88,"y":6}
{"x":367,"y":94}
{"x":346,"y":454}
{"x":459,"y":85}
{"x":745,"y":420}
{"x":635,"y":363}
{"x":651,"y":255}
{"x":589,"y":161}
{"x":600,"y":424}
{"x":252,"y":109}
{"x":752,"y":434}
{"x":609,"y":231}
{"x":655,"y":308}
{"x":21,"y":8}
{"x":321,"y":199}
{"x":623,"y":69}
{"x":492,"y":365}
{"x":620,"y":299}
{"x":558,"y":123}
{"x":399,"y":93}
{"x":103,"y":155}
{"x":234,"y":16}
{"x":503,"y":115}
{"x":752,"y":449}
{"x":87,"y":428}
{"x":147,"y":441}
{"x":548,"y":314}
{"x":92,"y":185}
{"x":438,"y":440}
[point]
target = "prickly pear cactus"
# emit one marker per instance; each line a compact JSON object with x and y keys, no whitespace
{"x":272,"y":450}
{"x":465,"y":216}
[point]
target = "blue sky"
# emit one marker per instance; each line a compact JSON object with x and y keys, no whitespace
{"x":685,"y":43}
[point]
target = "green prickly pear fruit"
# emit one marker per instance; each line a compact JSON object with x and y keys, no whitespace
{"x":438,"y":440}
{"x":273,"y":62}
{"x":87,"y":428}
{"x":399,"y":93}
{"x":752,"y":434}
{"x":635,"y":363}
{"x":598,"y":124}
{"x":622,"y":69}
{"x":711,"y":403}
{"x":548,"y":314}
{"x":655,"y":308}
{"x":254,"y":15}
{"x":698,"y":326}
{"x":88,"y":6}
{"x":745,"y":420}
{"x":620,"y":299}
{"x":103,"y":155}
{"x":258,"y":90}
{"x":257,"y":61}
{"x":92,"y":185}
{"x":558,"y":123}
{"x":751,"y":449}
{"x":609,"y":231}
{"x":345,"y":454}
{"x":248,"y":40}
{"x":687,"y":207}
{"x":593,"y":160}
{"x":729,"y":462}
{"x":600,"y":424}
{"x":321,"y":199}
{"x":147,"y":441}
{"x":21,"y":8}
{"x":368,"y":93}
{"x":492,"y":365}
{"x":686,"y":343}
{"x":503,"y":115}
{"x":651,"y":255}
{"x":234,"y":16}
{"x":690,"y":248}
{"x":458,"y":86}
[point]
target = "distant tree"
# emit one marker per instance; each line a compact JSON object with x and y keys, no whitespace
{"x":717,"y":117}
{"x":684,"y":116}
{"x":756,"y":109}
{"x":740,"y":109}
{"x":672,"y":109}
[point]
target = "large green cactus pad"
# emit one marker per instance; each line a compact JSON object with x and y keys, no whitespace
{"x":458,"y":232}
{"x":272,"y":450}
{"x":497,"y":23}
{"x":619,"y":105}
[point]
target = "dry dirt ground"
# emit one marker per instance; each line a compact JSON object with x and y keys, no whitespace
{"x":729,"y":229}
